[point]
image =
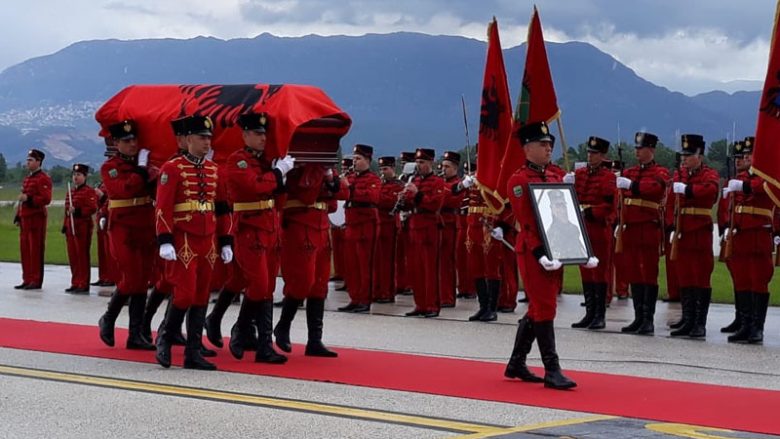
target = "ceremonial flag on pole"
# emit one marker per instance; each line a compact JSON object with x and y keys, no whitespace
{"x":495,"y":118}
{"x":766,"y":153}
{"x":537,"y":101}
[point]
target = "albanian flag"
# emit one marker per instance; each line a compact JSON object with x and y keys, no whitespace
{"x":303,"y":120}
{"x":766,"y":155}
{"x":495,"y":119}
{"x":537,"y":100}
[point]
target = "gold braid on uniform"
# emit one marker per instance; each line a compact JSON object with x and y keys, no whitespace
{"x":185,"y":254}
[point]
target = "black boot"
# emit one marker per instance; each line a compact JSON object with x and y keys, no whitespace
{"x":108,"y":319}
{"x":524,"y":340}
{"x":648,"y":311}
{"x":493,"y":290}
{"x":703,"y":297}
{"x":264,"y":318}
{"x":135,"y":338}
{"x":482,"y":297}
{"x":760,"y":305}
{"x":214,"y":319}
{"x":170,"y":325}
{"x":177,"y":338}
{"x":689,"y":303}
{"x":637,"y":297}
{"x":553,"y":376}
{"x":152,"y":304}
{"x":739,"y":302}
{"x":746,"y":317}
{"x":590,"y":302}
{"x":282,"y":329}
{"x":599,"y":306}
{"x":685,"y":302}
{"x":243,"y":329}
{"x":193,"y":359}
{"x":315,"y":309}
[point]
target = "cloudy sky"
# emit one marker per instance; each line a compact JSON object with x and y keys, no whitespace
{"x":685,"y":45}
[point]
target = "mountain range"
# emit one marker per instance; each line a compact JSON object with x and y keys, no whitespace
{"x":403,"y":90}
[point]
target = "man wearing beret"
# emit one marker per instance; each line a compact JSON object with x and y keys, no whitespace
{"x":389,"y":223}
{"x":450,"y":213}
{"x":31,"y":217}
{"x":80,"y":205}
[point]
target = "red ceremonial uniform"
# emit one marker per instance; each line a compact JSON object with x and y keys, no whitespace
{"x":596,"y":193}
{"x":466,"y":286}
{"x":107,"y":272}
{"x":672,"y":287}
{"x":362,"y":220}
{"x":484,"y":253}
{"x":31,"y":217}
{"x":79,"y":245}
{"x":385,"y":257}
{"x":507,"y":300}
{"x":450,"y":214}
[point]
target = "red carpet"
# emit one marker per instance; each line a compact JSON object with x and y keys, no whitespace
{"x":645,"y":398}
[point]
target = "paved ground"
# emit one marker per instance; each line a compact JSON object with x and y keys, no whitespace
{"x":143,"y":400}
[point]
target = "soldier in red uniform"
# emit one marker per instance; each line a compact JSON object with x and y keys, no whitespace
{"x":725,"y":208}
{"x":695,"y":191}
{"x":541,"y":276}
{"x":403,"y":278}
{"x":389,"y":223}
{"x":306,"y":251}
{"x":130,"y":185}
{"x":80,"y":205}
{"x":595,"y":186}
{"x":644,"y":188}
{"x":672,"y":289}
{"x":338,"y":233}
{"x":425,"y":193}
{"x":750,"y":261}
{"x":466,"y":287}
{"x":31,"y":215}
{"x":107,"y":271}
{"x":185,"y":224}
{"x":450,"y":213}
{"x":362,"y":221}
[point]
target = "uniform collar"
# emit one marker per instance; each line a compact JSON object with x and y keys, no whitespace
{"x":424,"y":176}
{"x":127,"y":158}
{"x":197,"y":161}
{"x":35,"y":172}
{"x":647,"y":165}
{"x":254,"y":153}
{"x":388,"y":180}
{"x":534,"y":167}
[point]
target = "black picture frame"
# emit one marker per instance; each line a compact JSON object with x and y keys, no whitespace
{"x":566,"y":239}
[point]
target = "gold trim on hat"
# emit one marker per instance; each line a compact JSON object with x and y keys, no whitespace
{"x":127,"y":127}
{"x":544,"y":129}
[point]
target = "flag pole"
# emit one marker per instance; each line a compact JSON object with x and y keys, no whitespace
{"x":564,"y":145}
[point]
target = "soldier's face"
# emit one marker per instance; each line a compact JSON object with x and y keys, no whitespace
{"x":360,"y":163}
{"x":692,"y":161}
{"x":181,"y":142}
{"x":595,"y":158}
{"x":743,"y":163}
{"x":127,"y":146}
{"x":645,"y":154}
{"x":198,"y":145}
{"x":387,"y":172}
{"x":424,"y":167}
{"x":539,"y":153}
{"x":449,"y":169}
{"x":33,"y":164}
{"x":255,"y":140}
{"x":79,"y":178}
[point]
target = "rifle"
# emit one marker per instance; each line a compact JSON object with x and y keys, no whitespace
{"x":70,"y":211}
{"x":621,"y":223}
{"x":726,"y":244}
{"x":468,"y":141}
{"x":677,"y":233}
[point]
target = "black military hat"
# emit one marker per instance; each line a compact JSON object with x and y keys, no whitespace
{"x":81,"y":168}
{"x":179,"y":126}
{"x":452,"y":156}
{"x":750,"y":142}
{"x":597,"y":144}
{"x":741,"y":148}
{"x":473,"y":166}
{"x":535,"y":132}
{"x":424,"y":154}
{"x":253,"y":122}
{"x":37,"y":154}
{"x":556,"y":197}
{"x":199,"y":126}
{"x":691,"y":144}
{"x":346,"y":162}
{"x":643,"y":139}
{"x":366,"y":151}
{"x":407,"y":157}
{"x":123,"y":130}
{"x":387,"y":161}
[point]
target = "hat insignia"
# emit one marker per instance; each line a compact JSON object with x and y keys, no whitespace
{"x":639,"y":138}
{"x":748,"y":143}
{"x":593,"y":142}
{"x":207,"y":123}
{"x":544,"y":129}
{"x":685,"y":145}
{"x":127,"y":127}
{"x":262,"y":120}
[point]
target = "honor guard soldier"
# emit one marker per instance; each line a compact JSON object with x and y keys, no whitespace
{"x":450,"y":213}
{"x":466,"y":287}
{"x":403,"y":278}
{"x":541,"y":276}
{"x":31,"y":215}
{"x":750,"y":257}
{"x":338,"y":239}
{"x":672,"y":289}
{"x":595,"y":187}
{"x":425,"y":194}
{"x":695,"y":191}
{"x":643,"y":189}
{"x":106,"y":265}
{"x":80,"y":205}
{"x":389,"y":223}
{"x":725,"y":207}
{"x":362,"y":221}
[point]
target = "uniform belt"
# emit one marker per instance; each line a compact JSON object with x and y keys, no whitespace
{"x":363,"y":204}
{"x":289,"y":204}
{"x":696,"y":211}
{"x":426,"y":211}
{"x":194,"y":206}
{"x":129,"y":202}
{"x":641,"y":203}
{"x":480,"y":209}
{"x":253,"y":205}
{"x":450,"y":210}
{"x":750,"y":210}
{"x":585,"y":206}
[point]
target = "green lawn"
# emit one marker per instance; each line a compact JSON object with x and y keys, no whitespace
{"x":10,"y":191}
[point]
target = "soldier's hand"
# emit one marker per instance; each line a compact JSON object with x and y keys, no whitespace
{"x":679,"y":188}
{"x":671,"y":236}
{"x":725,"y":192}
{"x":226,"y":254}
{"x":736,"y":185}
{"x":102,"y":223}
{"x":468,"y":181}
{"x":623,"y":183}
{"x":167,"y":252}
{"x":411,"y":188}
{"x":776,"y":240}
{"x":569,"y":178}
{"x":285,"y":164}
{"x":23,"y":197}
{"x":143,"y":157}
{"x":549,"y":265}
{"x":329,"y":175}
{"x":593,"y":262}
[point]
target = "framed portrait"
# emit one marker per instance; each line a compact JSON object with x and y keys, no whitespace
{"x":560,"y":222}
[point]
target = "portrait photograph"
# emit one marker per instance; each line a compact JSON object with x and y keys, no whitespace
{"x":560,"y":222}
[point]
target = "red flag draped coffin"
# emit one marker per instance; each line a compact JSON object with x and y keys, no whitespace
{"x":304,"y":121}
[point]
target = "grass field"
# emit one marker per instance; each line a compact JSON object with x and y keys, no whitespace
{"x":9,"y":191}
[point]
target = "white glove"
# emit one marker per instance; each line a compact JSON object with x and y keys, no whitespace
{"x":623,"y":183}
{"x":497,"y":233}
{"x":776,"y":240}
{"x":569,"y":178}
{"x":227,"y":254}
{"x":102,"y":223}
{"x":329,"y":172}
{"x":143,"y":157}
{"x":468,"y":181}
{"x":679,"y":188}
{"x":550,"y":265}
{"x":671,"y":236}
{"x":284,"y":165}
{"x":725,"y":192}
{"x":167,"y":252}
{"x":735,"y":185}
{"x":726,"y":232}
{"x":593,"y":262}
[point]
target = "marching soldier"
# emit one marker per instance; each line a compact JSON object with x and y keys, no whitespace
{"x":31,"y":215}
{"x":695,"y":192}
{"x":450,"y":214}
{"x":644,"y":187}
{"x":362,"y":220}
{"x":403,"y":279}
{"x":80,"y":205}
{"x":130,"y":186}
{"x":338,"y":236}
{"x":106,"y":265}
{"x":750,"y":260}
{"x":389,"y":223}
{"x":595,"y":186}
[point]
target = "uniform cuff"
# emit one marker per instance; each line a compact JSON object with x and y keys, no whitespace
{"x":225,"y":240}
{"x":165,"y":238}
{"x":279,"y":181}
{"x":689,"y":191}
{"x":538,"y":252}
{"x":635,"y":188}
{"x":747,"y":188}
{"x":221,"y":208}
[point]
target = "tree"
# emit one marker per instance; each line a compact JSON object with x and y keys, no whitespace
{"x":3,"y":167}
{"x":717,"y":157}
